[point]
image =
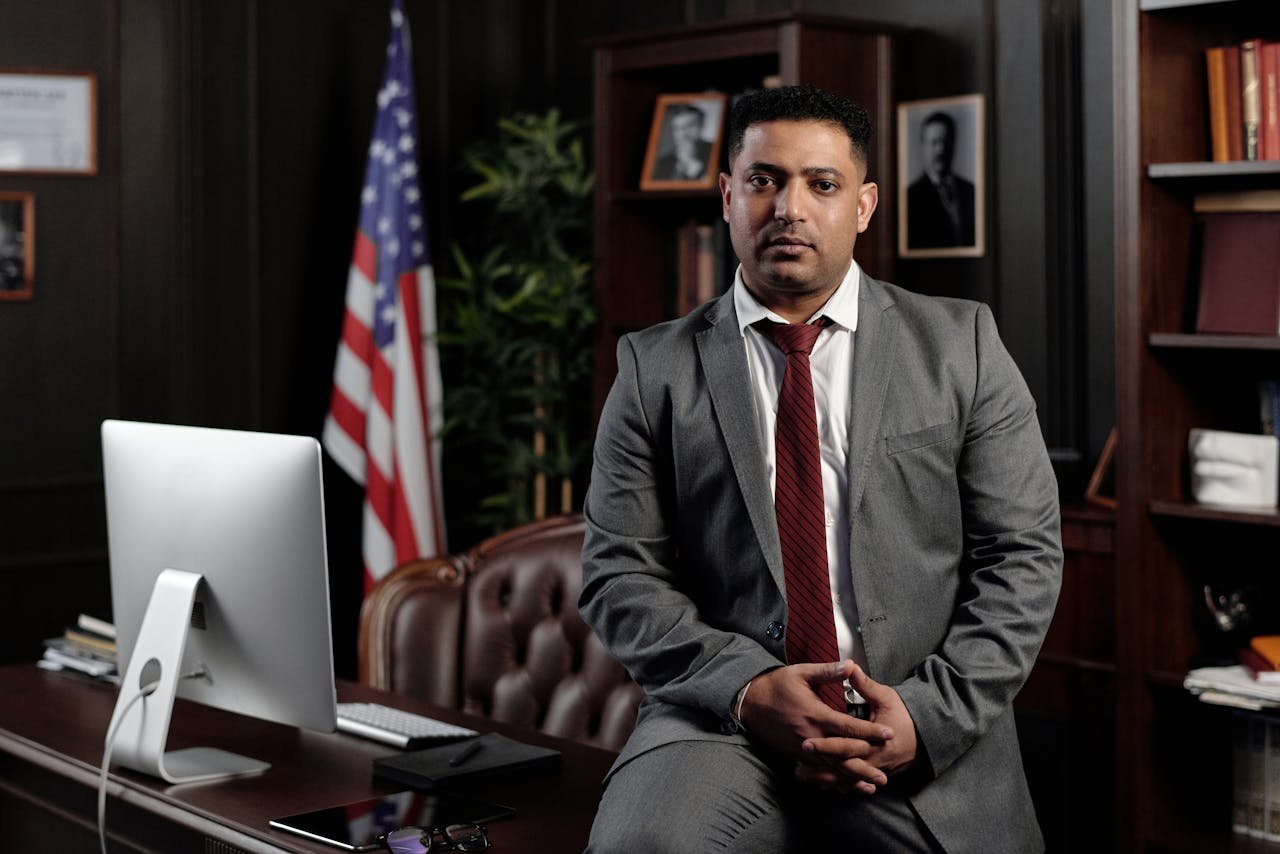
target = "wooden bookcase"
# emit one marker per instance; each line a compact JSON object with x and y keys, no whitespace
{"x":1174,"y":754}
{"x":634,"y":230}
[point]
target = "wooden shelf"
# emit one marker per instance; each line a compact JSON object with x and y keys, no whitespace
{"x":1185,"y":510}
{"x":1196,"y":341}
{"x":1157,"y":5}
{"x":1208,"y":169}
{"x":1167,"y":383}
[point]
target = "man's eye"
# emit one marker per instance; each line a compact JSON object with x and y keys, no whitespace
{"x":759,"y":180}
{"x":824,"y":186}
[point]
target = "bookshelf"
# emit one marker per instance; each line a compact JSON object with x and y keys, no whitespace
{"x":1174,"y":765}
{"x":634,"y":231}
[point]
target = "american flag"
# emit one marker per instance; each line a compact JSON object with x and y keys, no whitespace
{"x":385,"y":414}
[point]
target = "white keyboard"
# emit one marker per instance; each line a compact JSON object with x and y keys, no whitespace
{"x":396,"y":727}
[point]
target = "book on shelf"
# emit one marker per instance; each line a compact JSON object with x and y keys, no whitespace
{"x":1243,"y":87}
{"x":1258,"y":667}
{"x":1235,"y":118}
{"x":1267,"y":648}
{"x":1255,"y":796}
{"x":1216,"y":78}
{"x":1250,"y":97}
{"x":88,"y":648}
{"x":1239,"y":274}
{"x":1238,"y":201}
{"x":96,"y":625}
{"x":1269,"y":72}
{"x":699,"y":265}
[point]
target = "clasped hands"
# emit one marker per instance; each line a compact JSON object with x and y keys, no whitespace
{"x":833,"y":750}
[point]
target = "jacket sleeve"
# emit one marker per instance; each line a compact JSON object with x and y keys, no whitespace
{"x":1011,"y":567}
{"x":636,"y":594}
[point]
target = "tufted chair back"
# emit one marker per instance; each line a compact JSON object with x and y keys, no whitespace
{"x":495,"y":631}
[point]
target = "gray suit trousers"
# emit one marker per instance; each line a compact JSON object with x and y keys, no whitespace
{"x":713,"y":796}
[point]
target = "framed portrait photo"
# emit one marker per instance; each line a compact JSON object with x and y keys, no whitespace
{"x":941,"y":178}
{"x":684,"y":142}
{"x":17,"y":245}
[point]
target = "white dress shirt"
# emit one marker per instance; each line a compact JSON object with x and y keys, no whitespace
{"x":831,"y":365}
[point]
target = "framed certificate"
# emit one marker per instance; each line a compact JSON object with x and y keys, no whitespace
{"x":48,"y":122}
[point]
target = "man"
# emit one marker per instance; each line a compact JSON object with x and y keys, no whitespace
{"x":936,"y":501}
{"x":690,"y":156}
{"x":940,"y":204}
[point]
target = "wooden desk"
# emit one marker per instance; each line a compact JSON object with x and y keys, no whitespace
{"x":52,"y":727}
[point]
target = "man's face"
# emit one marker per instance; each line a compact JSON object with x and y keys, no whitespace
{"x":684,"y":130}
{"x":795,"y":203}
{"x":937,"y":145}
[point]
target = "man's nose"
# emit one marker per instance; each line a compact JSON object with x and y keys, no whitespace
{"x":788,"y":205}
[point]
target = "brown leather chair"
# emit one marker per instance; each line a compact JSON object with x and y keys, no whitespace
{"x":495,"y":631}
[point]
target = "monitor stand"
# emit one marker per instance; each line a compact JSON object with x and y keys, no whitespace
{"x":142,"y":727}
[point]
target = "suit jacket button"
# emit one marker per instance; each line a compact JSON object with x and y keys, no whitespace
{"x":775,"y":629}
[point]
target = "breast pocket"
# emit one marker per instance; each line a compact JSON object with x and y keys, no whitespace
{"x":920,"y":438}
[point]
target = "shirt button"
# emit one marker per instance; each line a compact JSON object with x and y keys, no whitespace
{"x":839,"y":600}
{"x":775,"y":629}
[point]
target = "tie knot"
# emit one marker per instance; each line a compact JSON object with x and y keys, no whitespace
{"x":794,"y":337}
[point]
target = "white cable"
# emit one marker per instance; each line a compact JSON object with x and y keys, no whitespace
{"x":106,"y":763}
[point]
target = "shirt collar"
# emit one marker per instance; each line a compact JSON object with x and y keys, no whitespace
{"x":841,"y":307}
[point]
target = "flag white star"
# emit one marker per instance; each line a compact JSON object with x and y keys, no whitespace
{"x":411,"y":195}
{"x":408,"y":169}
{"x":370,"y":195}
{"x":384,"y":225}
{"x":415,"y":221}
{"x":393,"y":248}
{"x":406,"y":142}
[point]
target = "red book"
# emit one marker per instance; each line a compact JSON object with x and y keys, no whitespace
{"x":1259,"y":668}
{"x":1240,"y":274}
{"x":1270,"y":101}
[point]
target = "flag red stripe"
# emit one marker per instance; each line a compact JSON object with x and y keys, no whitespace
{"x":348,"y":416}
{"x":357,"y":337}
{"x":365,"y":256}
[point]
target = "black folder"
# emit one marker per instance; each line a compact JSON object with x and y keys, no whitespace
{"x":497,"y":756}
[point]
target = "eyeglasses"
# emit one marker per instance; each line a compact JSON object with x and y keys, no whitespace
{"x":453,"y":837}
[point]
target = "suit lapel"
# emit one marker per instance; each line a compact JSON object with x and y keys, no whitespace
{"x":874,"y":345}
{"x":724,"y":362}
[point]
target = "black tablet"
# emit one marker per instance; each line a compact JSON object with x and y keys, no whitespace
{"x":358,"y":826}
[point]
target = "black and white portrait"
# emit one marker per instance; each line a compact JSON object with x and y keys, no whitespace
{"x":684,"y":142}
{"x":940,"y":177}
{"x":16,"y":245}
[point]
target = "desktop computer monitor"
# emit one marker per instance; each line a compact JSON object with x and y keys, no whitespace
{"x":219,"y":586}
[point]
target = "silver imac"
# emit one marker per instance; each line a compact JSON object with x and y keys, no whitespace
{"x":219,"y":586}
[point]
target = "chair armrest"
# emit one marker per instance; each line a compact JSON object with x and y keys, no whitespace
{"x":410,"y":625}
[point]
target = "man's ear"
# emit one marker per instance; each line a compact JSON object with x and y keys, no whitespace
{"x":868,"y":198}
{"x":726,"y":191}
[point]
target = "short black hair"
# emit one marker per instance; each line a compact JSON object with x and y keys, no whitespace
{"x":800,"y":103}
{"x":938,"y":117}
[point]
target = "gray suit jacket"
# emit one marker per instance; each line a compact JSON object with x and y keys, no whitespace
{"x":955,"y":549}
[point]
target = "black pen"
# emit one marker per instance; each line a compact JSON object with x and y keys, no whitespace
{"x":467,"y":752}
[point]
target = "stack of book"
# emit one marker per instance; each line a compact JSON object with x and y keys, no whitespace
{"x":1239,"y":289}
{"x":1254,"y":683}
{"x":88,"y":647}
{"x":1255,"y":800}
{"x":1244,"y":100}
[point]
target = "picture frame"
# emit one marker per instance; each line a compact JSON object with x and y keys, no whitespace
{"x":17,"y":245}
{"x":942,"y":177}
{"x":48,"y":122}
{"x":685,"y":137}
{"x":1100,"y":492}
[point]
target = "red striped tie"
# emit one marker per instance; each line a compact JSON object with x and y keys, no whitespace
{"x":811,"y":626}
